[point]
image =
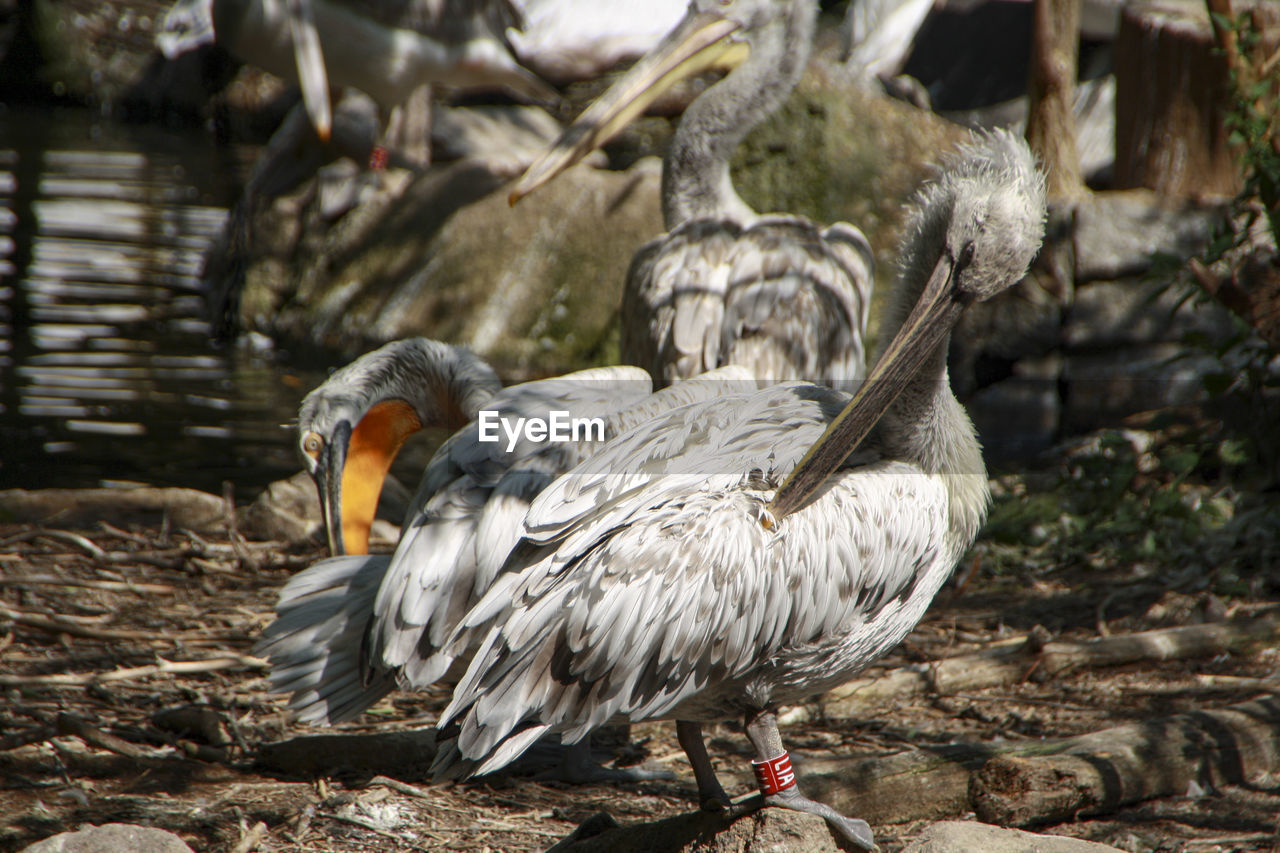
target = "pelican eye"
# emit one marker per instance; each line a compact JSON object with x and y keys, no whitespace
{"x":312,"y":444}
{"x":966,"y":256}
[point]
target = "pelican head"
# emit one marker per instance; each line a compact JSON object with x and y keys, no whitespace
{"x":713,"y":34}
{"x":351,"y":427}
{"x":972,"y":233}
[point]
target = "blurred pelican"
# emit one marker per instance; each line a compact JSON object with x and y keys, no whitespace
{"x":387,"y":49}
{"x":778,"y":294}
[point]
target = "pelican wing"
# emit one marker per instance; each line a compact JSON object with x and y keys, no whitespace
{"x":657,"y":582}
{"x":781,"y":296}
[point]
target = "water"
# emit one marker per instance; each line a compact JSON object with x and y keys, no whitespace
{"x":107,"y":370}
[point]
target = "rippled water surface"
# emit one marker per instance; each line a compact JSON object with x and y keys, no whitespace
{"x":107,"y":370}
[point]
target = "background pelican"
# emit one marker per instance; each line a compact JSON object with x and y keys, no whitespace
{"x":698,"y":568}
{"x":387,"y":49}
{"x":778,"y":293}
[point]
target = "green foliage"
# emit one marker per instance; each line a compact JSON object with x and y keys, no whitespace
{"x":1253,"y":124}
{"x":1167,"y":501}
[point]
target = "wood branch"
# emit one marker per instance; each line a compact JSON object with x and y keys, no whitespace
{"x":1029,"y":782}
{"x":1051,"y":128}
{"x":251,"y":838}
{"x":77,"y":628}
{"x":58,"y":625}
{"x":407,"y":754}
{"x":69,"y":724}
{"x":164,"y":667}
{"x":110,"y":586}
{"x":1012,"y":662}
{"x":1098,"y":772}
{"x":85,"y":508}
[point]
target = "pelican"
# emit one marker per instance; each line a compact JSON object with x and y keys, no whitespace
{"x":726,"y":285}
{"x":738,"y":553}
{"x":385,"y":49}
{"x":353,"y":628}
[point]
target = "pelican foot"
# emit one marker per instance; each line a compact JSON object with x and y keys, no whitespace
{"x":716,"y":802}
{"x":856,"y":832}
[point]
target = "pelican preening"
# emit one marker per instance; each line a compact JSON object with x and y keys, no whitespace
{"x":353,"y":628}
{"x":712,"y":559}
{"x":351,"y":428}
{"x":385,"y":48}
{"x":776,"y":293}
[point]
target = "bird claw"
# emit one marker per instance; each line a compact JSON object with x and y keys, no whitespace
{"x":856,"y":832}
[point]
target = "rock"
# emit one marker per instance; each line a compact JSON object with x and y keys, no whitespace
{"x":510,"y":137}
{"x":536,"y":288}
{"x":769,"y":830}
{"x":1019,"y":416}
{"x":112,"y":838}
{"x":195,"y":510}
{"x":289,"y":511}
{"x":1133,"y":312}
{"x":286,"y":510}
{"x":1102,"y":388}
{"x":963,"y":836}
{"x":531,"y":288}
{"x":1117,"y":233}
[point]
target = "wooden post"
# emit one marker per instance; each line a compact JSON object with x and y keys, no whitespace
{"x":1171,"y":98}
{"x":1051,"y":129}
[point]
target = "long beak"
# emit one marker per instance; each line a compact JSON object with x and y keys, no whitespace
{"x":351,"y":473}
{"x":328,"y":475}
{"x":936,"y":311}
{"x":698,"y":42}
{"x":312,"y":77}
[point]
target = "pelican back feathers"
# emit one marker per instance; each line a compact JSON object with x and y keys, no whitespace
{"x":781,"y":297}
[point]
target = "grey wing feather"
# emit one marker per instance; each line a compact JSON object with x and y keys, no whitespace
{"x":314,"y":643}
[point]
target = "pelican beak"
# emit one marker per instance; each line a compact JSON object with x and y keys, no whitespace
{"x":935,"y":312}
{"x":699,"y":42}
{"x":328,"y":476}
{"x":350,"y":473}
{"x":312,"y":77}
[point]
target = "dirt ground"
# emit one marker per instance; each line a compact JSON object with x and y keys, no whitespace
{"x":131,"y":695}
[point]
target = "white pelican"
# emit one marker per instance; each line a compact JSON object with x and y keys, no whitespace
{"x":698,"y":568}
{"x":725,"y":285}
{"x":385,"y":48}
{"x":353,"y":628}
{"x":700,"y":565}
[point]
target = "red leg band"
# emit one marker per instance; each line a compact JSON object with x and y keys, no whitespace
{"x":774,"y":775}
{"x":378,"y":158}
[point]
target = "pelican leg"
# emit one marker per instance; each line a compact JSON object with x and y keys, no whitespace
{"x":711,"y":796}
{"x":778,"y":785}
